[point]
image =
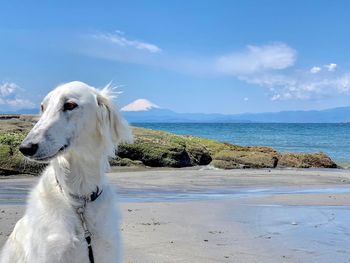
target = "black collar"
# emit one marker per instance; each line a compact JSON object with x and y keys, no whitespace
{"x":84,"y":198}
{"x":88,"y":198}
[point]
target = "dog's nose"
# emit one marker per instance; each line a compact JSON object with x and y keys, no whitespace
{"x":28,"y":149}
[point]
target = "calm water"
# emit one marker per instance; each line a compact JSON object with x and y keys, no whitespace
{"x":332,"y":139}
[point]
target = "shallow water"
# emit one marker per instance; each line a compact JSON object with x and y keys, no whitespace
{"x":173,"y":195}
{"x":14,"y":193}
{"x":301,"y":233}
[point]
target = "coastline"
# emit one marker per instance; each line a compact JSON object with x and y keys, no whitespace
{"x":155,"y":148}
{"x":199,"y":215}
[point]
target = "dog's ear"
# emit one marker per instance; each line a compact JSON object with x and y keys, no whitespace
{"x":110,"y":122}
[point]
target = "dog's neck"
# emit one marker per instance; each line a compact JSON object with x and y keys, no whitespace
{"x":78,"y":175}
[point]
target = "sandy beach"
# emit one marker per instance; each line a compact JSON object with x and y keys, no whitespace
{"x":203,"y":215}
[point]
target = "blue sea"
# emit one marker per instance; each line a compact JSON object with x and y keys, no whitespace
{"x":332,"y":139}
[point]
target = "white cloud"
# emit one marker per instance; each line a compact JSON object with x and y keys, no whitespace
{"x":256,"y":59}
{"x":246,"y":99}
{"x":331,"y":66}
{"x":118,"y":38}
{"x":315,"y":70}
{"x":8,"y":89}
{"x":20,"y":103}
{"x":303,"y":87}
{"x":251,"y":60}
{"x":117,"y":47}
{"x":271,"y":66}
{"x":9,"y":97}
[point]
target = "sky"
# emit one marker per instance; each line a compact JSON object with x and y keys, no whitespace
{"x":188,"y":56}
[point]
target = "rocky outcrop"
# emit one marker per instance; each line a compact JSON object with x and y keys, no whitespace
{"x":306,"y":160}
{"x":162,"y":149}
{"x":246,"y":157}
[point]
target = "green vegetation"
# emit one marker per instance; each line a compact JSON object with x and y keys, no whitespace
{"x":11,"y":160}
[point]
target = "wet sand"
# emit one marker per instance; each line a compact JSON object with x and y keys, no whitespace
{"x":191,"y":215}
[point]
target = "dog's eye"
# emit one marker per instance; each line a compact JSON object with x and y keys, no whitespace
{"x":68,"y":106}
{"x":42,"y":107}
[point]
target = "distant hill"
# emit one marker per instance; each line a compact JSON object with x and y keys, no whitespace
{"x":164,"y":115}
{"x":152,"y":113}
{"x":22,"y":111}
{"x":334,"y":115}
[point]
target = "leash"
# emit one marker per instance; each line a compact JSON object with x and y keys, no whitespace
{"x":80,"y":211}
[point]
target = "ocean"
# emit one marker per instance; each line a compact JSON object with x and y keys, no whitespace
{"x":332,"y":139}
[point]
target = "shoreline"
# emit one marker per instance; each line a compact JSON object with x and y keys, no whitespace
{"x":244,"y":216}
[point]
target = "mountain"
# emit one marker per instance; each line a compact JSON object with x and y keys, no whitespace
{"x":140,"y":105}
{"x":146,"y":111}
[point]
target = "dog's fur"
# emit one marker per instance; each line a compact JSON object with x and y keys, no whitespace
{"x":77,"y":143}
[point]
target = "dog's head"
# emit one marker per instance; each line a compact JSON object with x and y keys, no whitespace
{"x":76,"y":117}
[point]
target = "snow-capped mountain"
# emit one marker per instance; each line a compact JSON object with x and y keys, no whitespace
{"x":140,"y":105}
{"x":143,"y":110}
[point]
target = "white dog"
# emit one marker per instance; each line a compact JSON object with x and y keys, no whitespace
{"x":73,"y":202}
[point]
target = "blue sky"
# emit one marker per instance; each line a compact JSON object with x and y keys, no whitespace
{"x":188,"y":56}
